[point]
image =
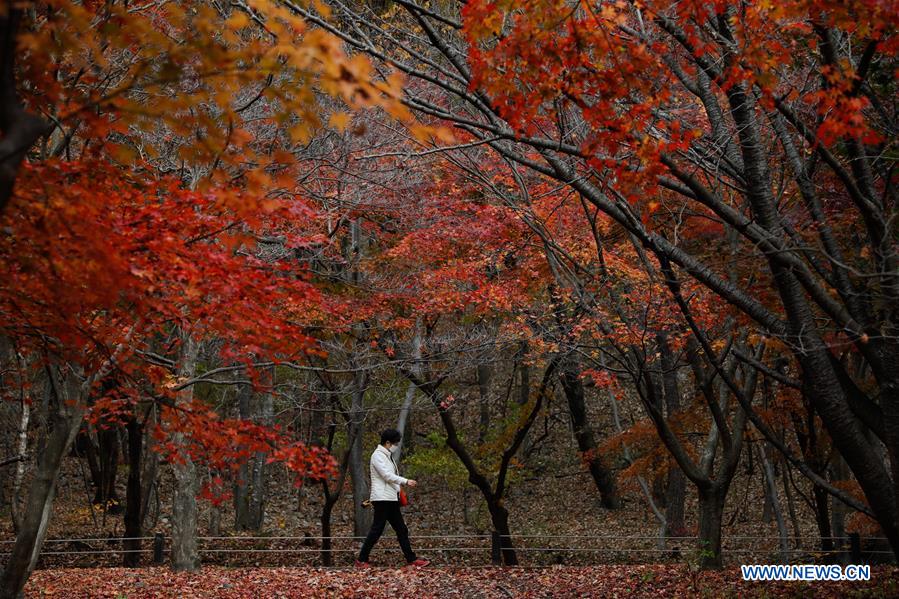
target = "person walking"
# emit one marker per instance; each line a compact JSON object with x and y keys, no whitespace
{"x":385,"y":487}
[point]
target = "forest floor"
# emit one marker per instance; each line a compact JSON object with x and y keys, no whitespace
{"x":592,"y":535}
{"x":597,"y":553}
{"x":633,"y":582}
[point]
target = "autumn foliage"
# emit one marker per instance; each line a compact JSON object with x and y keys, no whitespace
{"x":683,"y":213}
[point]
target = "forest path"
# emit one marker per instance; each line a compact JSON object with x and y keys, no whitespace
{"x":633,"y":582}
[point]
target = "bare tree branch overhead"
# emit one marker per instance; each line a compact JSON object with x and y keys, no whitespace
{"x":608,"y":286}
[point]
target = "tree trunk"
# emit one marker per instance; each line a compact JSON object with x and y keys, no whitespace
{"x":498,"y":512}
{"x":133,"y":525}
{"x":675,"y":495}
{"x":148,"y":469}
{"x":774,"y":502}
{"x":676,"y":483}
{"x":467,"y":519}
{"x":21,"y":448}
{"x":21,"y":129}
{"x":215,"y":520}
{"x":108,"y":452}
{"x":403,"y":424}
{"x":250,"y":489}
{"x":484,"y":374}
{"x":767,"y":507}
{"x":711,"y":511}
{"x":660,"y":488}
{"x":791,"y":506}
{"x":405,"y":411}
{"x":822,"y":517}
{"x":821,"y":382}
{"x":524,"y":371}
{"x":85,"y":446}
{"x":628,"y":457}
{"x":362,"y":517}
{"x":327,"y":554}
{"x":314,"y":433}
{"x":499,"y":516}
{"x":65,"y":421}
{"x":583,"y":434}
{"x":524,"y":388}
{"x":889,"y":393}
{"x":259,"y":489}
{"x":185,"y":556}
{"x":241,"y":485}
{"x":838,"y":509}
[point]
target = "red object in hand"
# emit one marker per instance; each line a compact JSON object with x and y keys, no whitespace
{"x":404,"y":500}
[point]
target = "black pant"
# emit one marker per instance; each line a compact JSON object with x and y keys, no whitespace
{"x":387,"y":511}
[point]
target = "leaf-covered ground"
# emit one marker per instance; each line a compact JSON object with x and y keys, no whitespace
{"x":655,"y":581}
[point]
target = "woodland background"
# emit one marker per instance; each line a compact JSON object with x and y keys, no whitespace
{"x":625,"y":275}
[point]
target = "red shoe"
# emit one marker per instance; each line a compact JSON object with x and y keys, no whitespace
{"x":420,"y":562}
{"x":362,"y":565}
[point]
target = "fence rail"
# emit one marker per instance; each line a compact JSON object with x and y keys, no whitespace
{"x":480,"y":536}
{"x":488,"y":544}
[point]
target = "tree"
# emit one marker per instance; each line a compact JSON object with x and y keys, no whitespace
{"x":661,"y":112}
{"x":78,"y":309}
{"x":120,"y":86}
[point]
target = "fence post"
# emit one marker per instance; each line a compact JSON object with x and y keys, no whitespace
{"x":855,"y":548}
{"x":496,"y":557}
{"x":158,"y":544}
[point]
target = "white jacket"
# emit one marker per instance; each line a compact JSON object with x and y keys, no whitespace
{"x":385,"y":478}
